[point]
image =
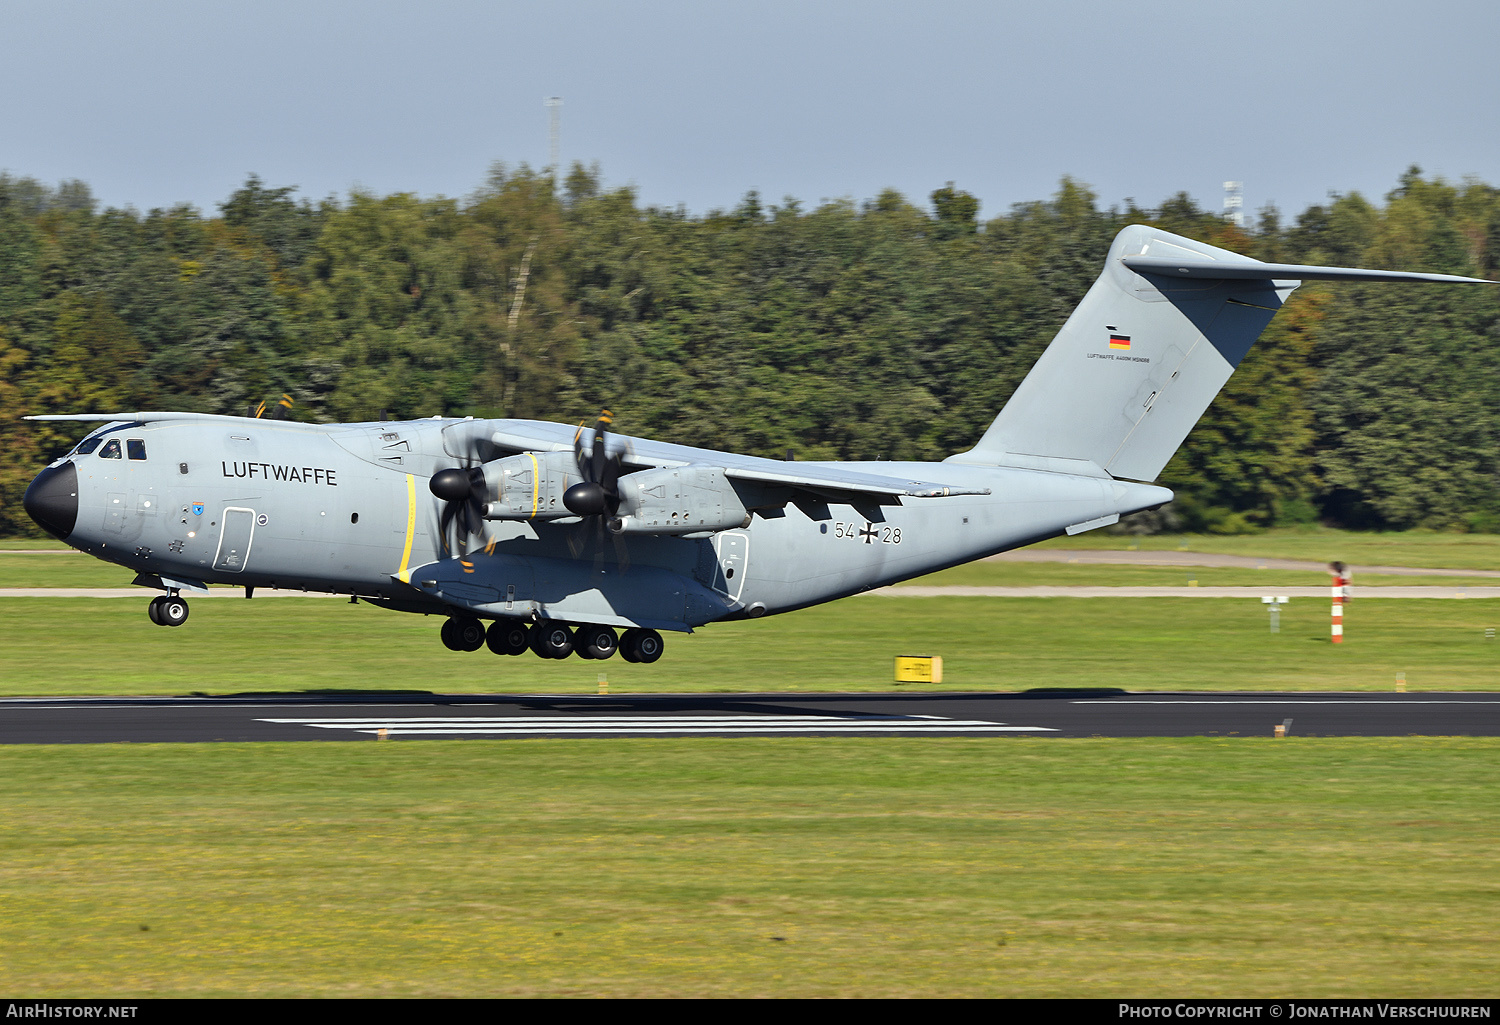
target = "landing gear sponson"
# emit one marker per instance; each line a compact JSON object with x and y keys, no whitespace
{"x":549,"y":639}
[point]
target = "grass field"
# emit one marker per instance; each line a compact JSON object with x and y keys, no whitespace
{"x":46,"y":565}
{"x":1436,"y":549}
{"x":106,"y":646}
{"x":1035,"y":574}
{"x":787,"y":867}
{"x":1013,"y":866}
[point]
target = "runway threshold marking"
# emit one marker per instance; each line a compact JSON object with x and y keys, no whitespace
{"x":531,"y":725}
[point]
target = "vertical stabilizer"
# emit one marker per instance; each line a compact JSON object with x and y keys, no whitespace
{"x":1139,"y":360}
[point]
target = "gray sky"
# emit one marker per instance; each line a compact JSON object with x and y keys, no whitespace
{"x":154,"y":103}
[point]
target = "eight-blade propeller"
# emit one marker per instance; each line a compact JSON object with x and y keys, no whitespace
{"x":598,"y":494}
{"x":464,"y":493}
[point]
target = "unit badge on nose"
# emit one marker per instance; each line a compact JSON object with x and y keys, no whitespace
{"x":197,"y":508}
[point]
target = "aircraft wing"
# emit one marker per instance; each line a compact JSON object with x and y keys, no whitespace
{"x":825,"y":478}
{"x":137,"y":417}
{"x":147,"y":416}
{"x":641,"y":454}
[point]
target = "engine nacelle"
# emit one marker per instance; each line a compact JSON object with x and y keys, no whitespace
{"x":678,"y":500}
{"x":531,"y":485}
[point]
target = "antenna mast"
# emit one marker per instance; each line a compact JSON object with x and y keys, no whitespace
{"x":552,"y":103}
{"x":1234,"y":203}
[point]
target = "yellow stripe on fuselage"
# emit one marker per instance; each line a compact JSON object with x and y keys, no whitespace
{"x":404,"y":573}
{"x":536,"y":483}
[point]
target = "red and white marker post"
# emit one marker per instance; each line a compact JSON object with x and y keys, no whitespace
{"x":1340,"y":574}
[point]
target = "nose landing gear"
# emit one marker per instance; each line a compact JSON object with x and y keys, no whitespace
{"x":168,"y":610}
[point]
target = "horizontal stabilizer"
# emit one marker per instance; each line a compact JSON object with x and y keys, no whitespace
{"x":1254,"y":270}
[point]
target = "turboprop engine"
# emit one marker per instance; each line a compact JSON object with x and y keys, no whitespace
{"x":531,"y":486}
{"x":678,"y":500}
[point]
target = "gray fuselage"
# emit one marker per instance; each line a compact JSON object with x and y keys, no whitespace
{"x":346,"y":509}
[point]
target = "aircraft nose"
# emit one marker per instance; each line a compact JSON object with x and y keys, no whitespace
{"x":52,"y":500}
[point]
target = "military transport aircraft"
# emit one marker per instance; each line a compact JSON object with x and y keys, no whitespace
{"x":559,"y":537}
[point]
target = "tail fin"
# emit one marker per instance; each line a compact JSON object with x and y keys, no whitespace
{"x":1144,"y":354}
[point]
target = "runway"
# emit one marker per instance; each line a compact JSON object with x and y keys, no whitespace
{"x":407,"y":717}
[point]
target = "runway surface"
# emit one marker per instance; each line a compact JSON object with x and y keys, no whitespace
{"x":1081,"y":713}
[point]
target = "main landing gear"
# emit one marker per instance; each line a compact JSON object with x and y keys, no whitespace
{"x":168,"y":610}
{"x":550,"y":639}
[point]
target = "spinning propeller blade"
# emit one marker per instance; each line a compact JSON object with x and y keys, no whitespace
{"x":597,"y":496}
{"x":463,"y":492}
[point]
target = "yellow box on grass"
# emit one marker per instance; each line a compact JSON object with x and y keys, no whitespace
{"x":919,"y":669}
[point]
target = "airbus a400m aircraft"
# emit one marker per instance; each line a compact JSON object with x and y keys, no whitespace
{"x":541,"y":536}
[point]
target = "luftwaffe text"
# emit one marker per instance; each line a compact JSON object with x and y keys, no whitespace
{"x":276,"y":471}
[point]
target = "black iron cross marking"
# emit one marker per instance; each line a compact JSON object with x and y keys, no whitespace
{"x":869,"y":533}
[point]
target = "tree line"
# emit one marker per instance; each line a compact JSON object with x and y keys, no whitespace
{"x":846,"y":331}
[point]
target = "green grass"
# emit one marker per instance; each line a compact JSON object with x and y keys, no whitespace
{"x":911,"y":867}
{"x":893,"y":867}
{"x":107,"y":646}
{"x":1053,"y":574}
{"x":68,"y":568}
{"x":1434,"y":549}
{"x":31,"y":544}
{"x":50,"y":568}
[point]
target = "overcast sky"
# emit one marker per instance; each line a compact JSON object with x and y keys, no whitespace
{"x":155,"y":103}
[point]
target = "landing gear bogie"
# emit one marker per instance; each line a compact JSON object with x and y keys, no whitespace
{"x":551,"y":639}
{"x":168,"y":610}
{"x":463,"y":633}
{"x":639,"y":645}
{"x":596,"y":642}
{"x":507,"y":637}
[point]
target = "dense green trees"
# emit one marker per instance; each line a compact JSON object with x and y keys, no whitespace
{"x":881,"y":330}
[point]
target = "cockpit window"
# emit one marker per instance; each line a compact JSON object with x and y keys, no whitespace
{"x":111,"y":449}
{"x":135,"y":448}
{"x":88,"y":445}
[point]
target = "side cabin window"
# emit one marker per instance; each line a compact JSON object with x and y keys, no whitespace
{"x":135,"y":448}
{"x":111,"y":449}
{"x":87,"y":445}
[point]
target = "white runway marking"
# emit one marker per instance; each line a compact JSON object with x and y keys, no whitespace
{"x":532,"y":725}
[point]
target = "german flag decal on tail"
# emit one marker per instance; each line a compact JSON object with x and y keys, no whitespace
{"x":1119,"y":342}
